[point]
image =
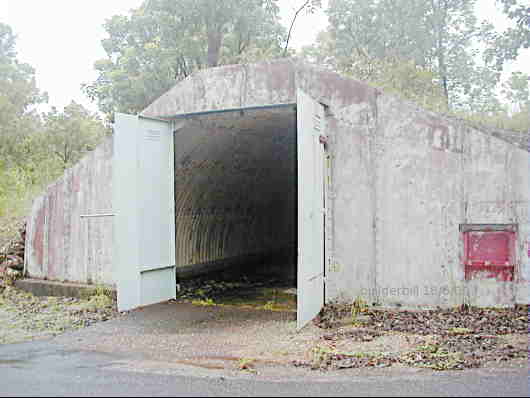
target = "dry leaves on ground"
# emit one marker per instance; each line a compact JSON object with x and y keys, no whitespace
{"x":446,"y":339}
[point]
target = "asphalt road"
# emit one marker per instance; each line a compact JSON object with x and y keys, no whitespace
{"x":47,"y":369}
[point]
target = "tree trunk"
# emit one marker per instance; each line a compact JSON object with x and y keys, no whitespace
{"x":441,"y":27}
{"x":442,"y":67}
{"x":292,"y":25}
{"x":446,"y":92}
{"x":214,"y":47}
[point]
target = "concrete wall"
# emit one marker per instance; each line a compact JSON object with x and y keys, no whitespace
{"x":62,"y":246}
{"x":409,"y":179}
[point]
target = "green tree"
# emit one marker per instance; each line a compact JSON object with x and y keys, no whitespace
{"x":19,"y":120}
{"x":34,"y":149}
{"x":517,"y":91}
{"x":508,"y":44}
{"x":164,"y":41}
{"x":438,"y":37}
{"x":19,"y":97}
{"x":68,"y":135}
{"x":513,"y":113}
{"x":391,"y":74}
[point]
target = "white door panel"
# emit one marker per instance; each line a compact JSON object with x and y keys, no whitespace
{"x":143,"y":202}
{"x":311,"y":124}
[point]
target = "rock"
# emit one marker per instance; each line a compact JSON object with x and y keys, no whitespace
{"x":17,"y":246}
{"x":363,"y":318}
{"x":14,"y":258}
{"x":17,"y":267}
{"x":15,"y":262}
{"x":12,"y":255}
{"x":349,"y":321}
{"x":75,"y":309}
{"x":13,"y":273}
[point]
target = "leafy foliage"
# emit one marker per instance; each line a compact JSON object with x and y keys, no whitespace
{"x":514,"y":113}
{"x":34,"y":149}
{"x":70,"y":134}
{"x":508,"y":44}
{"x":435,"y":53}
{"x":18,"y":97}
{"x":33,"y":318}
{"x":438,"y":339}
{"x":164,"y":41}
{"x":434,"y":43}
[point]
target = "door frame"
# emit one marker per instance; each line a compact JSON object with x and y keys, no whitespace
{"x":173,"y":124}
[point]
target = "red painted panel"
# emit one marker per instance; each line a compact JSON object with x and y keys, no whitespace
{"x":489,"y":254}
{"x":490,"y":246}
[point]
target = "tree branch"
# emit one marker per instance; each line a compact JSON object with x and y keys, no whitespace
{"x":292,"y":25}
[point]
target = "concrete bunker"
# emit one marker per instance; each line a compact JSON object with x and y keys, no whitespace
{"x":204,"y":178}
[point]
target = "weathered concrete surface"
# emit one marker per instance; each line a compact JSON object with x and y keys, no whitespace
{"x":267,"y":83}
{"x":41,"y":288}
{"x":401,"y":182}
{"x":62,"y":246}
{"x":229,"y":87}
{"x":434,"y":174}
{"x":408,"y":178}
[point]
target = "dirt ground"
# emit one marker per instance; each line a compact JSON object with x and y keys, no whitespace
{"x":258,"y":335}
{"x":232,"y":339}
{"x":24,"y":317}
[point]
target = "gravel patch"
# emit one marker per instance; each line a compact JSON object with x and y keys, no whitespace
{"x":24,"y":317}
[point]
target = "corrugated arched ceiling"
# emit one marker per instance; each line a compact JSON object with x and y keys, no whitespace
{"x":235,"y":184}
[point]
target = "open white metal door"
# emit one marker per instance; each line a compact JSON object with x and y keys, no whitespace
{"x":143,"y":203}
{"x":310,"y":126}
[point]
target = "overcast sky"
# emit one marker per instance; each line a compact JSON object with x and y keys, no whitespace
{"x":61,"y":38}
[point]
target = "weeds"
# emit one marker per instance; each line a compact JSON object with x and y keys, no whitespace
{"x":247,"y":365}
{"x":358,"y":307}
{"x":324,"y":357}
{"x":98,"y":290}
{"x":459,"y":331}
{"x":321,"y":357}
{"x":270,"y":306}
{"x":204,"y":303}
{"x":33,"y":317}
{"x":434,"y":357}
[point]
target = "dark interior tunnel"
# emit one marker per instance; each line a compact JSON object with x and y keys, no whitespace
{"x":236,"y":194}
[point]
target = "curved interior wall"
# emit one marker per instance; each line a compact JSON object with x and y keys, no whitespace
{"x":235,"y":190}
